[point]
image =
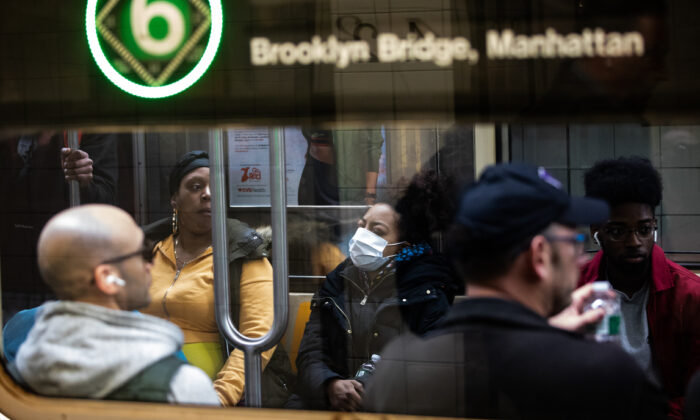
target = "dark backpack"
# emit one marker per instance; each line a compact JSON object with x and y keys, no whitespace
{"x":151,"y":384}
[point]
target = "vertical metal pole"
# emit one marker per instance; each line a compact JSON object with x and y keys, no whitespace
{"x":140,"y":187}
{"x":252,"y":347}
{"x":278,"y":219}
{"x":505,"y":143}
{"x":73,"y":187}
{"x":253,"y":377}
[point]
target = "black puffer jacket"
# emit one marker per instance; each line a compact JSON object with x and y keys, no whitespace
{"x":339,"y":337}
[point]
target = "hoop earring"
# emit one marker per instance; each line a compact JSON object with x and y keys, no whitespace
{"x":175,"y":222}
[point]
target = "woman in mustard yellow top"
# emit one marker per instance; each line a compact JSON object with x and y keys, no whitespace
{"x":183,"y":282}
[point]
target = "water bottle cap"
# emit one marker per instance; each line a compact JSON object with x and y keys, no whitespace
{"x":375,"y":358}
{"x":601,"y":286}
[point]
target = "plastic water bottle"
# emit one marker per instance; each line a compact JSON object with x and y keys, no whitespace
{"x":367,"y":369}
{"x":608,"y":329}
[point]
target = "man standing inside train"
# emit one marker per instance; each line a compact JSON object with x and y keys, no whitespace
{"x":90,"y":343}
{"x":35,"y":174}
{"x":660,"y":300}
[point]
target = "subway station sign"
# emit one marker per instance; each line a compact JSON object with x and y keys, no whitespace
{"x":292,"y":62}
{"x":156,"y":48}
{"x":443,"y":51}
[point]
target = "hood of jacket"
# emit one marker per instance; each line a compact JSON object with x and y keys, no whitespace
{"x":435,"y":269}
{"x":662,"y":278}
{"x":77,"y":349}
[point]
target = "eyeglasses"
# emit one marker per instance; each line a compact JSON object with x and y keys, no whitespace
{"x":146,"y":252}
{"x":620,"y":233}
{"x":576,"y":240}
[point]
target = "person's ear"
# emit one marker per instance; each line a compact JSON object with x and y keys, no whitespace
{"x":594,"y":229}
{"x":106,"y":280}
{"x":596,"y":239}
{"x":540,"y":257}
{"x":173,"y":202}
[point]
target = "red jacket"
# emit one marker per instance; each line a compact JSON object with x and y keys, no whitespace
{"x":673,"y":314}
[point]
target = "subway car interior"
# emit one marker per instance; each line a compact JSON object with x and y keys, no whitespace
{"x":252,"y":149}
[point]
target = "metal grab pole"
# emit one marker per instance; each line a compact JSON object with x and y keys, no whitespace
{"x":140,"y":185}
{"x":73,"y":187}
{"x":251,"y":347}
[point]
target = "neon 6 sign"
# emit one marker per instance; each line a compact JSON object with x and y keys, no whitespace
{"x":154,"y":48}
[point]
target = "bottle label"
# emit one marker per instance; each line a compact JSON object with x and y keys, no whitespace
{"x":614,"y":324}
{"x":610,"y":325}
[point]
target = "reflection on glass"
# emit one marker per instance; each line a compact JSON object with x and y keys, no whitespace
{"x":326,"y":168}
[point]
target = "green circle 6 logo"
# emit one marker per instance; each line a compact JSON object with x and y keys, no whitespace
{"x":154,"y":48}
{"x":155,"y":30}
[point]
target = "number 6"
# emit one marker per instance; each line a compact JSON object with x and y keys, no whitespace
{"x":141,"y":16}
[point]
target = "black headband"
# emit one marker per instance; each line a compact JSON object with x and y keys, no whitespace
{"x":186,"y":164}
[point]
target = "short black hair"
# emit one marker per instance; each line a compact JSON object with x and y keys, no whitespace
{"x":426,"y":207}
{"x":624,"y":180}
{"x":477,"y":260}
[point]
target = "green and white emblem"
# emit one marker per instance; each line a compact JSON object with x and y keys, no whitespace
{"x":154,"y":48}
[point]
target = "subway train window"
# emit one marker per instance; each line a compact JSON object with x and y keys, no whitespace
{"x":325,"y":209}
{"x":393,"y":220}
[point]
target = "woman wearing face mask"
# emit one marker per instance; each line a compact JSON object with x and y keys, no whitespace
{"x":393,"y":282}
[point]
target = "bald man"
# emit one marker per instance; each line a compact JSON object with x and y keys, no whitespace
{"x":90,"y":343}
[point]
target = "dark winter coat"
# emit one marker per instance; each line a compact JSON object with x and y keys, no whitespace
{"x":494,"y":358}
{"x":343,"y":332}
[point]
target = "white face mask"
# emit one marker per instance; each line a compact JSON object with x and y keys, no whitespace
{"x":367,"y":250}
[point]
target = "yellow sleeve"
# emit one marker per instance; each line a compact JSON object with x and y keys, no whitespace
{"x":325,"y":258}
{"x":255,"y":321}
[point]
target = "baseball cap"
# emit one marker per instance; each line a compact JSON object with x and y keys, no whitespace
{"x":515,"y":201}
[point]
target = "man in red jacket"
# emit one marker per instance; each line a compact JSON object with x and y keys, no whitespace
{"x":660,"y":300}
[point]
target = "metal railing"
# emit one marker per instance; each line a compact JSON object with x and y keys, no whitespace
{"x":251,"y":347}
{"x":73,"y":187}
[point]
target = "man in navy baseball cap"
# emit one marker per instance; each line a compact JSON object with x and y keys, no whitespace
{"x":513,"y":202}
{"x":510,"y":350}
{"x":520,"y":213}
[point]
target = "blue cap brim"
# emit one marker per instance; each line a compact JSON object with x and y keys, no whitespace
{"x":585,"y":211}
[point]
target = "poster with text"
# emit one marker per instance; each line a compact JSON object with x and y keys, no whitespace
{"x":249,"y":165}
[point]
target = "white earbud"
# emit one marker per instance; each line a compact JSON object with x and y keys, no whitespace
{"x":655,"y":236}
{"x":116,"y":280}
{"x":595,"y":238}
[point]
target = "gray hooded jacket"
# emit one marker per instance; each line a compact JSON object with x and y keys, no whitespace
{"x":77,"y":349}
